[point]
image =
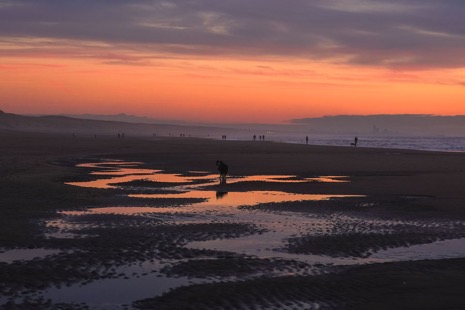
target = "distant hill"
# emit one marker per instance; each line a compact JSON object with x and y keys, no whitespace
{"x":408,"y":124}
{"x":68,"y":125}
{"x":122,"y":117}
{"x":371,"y":125}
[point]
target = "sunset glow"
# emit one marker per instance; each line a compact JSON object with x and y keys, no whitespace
{"x":206,"y":75}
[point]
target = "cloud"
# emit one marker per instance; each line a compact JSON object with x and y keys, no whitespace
{"x":419,"y":34}
{"x":369,"y":6}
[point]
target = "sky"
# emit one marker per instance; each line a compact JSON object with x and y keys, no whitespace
{"x":260,"y":61}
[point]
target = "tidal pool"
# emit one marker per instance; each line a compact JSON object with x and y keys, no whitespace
{"x":10,"y":256}
{"x":120,"y":173}
{"x":273,"y":233}
{"x":222,"y":207}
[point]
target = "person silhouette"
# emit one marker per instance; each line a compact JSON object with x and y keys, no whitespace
{"x":223,"y":169}
{"x":355,"y":142}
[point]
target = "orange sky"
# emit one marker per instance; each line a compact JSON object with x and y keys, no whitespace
{"x":223,"y":90}
{"x":232,"y":60}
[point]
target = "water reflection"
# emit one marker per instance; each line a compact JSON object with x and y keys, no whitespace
{"x":121,"y":173}
{"x":116,"y":168}
{"x":203,"y":203}
{"x":10,"y":256}
{"x":209,"y":201}
{"x":236,"y":199}
{"x":221,"y":206}
{"x":112,"y":293}
{"x":221,"y":195}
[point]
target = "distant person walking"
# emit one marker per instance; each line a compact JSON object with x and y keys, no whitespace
{"x":306,"y":140}
{"x":355,"y":142}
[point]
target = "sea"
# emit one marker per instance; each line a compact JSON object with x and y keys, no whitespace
{"x":443,"y":144}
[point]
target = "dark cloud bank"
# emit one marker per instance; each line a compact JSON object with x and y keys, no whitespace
{"x":419,"y":34}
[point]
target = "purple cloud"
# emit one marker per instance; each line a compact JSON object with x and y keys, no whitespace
{"x":409,"y":33}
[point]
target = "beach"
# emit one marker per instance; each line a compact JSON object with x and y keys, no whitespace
{"x":388,"y":199}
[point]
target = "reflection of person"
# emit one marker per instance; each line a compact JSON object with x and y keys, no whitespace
{"x":223,"y":169}
{"x":220,"y":195}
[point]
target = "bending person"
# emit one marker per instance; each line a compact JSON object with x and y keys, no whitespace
{"x":223,"y":169}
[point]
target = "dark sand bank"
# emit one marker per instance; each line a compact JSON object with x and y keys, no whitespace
{"x":396,"y":184}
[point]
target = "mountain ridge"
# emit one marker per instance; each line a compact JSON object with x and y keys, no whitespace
{"x":380,"y":124}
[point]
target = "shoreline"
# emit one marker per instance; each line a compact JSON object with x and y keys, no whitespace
{"x":316,"y":140}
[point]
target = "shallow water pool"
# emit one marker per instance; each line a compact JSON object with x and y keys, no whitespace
{"x":182,"y":208}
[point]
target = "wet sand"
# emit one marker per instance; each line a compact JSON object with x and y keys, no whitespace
{"x":397,"y":184}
